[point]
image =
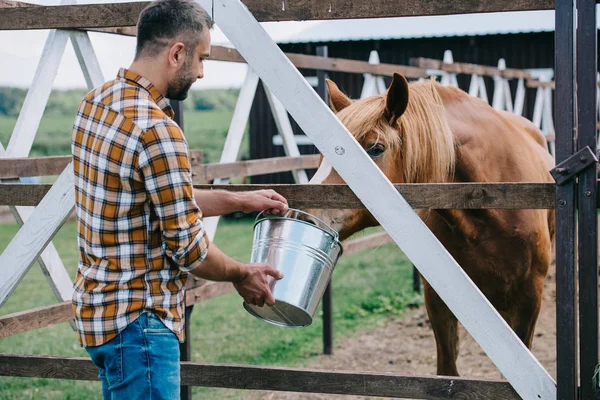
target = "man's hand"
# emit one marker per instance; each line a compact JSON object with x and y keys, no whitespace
{"x":254,"y":284}
{"x":259,"y":200}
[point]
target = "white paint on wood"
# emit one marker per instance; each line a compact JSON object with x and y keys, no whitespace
{"x":37,"y":96}
{"x":50,"y":262}
{"x":448,"y":78}
{"x":477,"y":87}
{"x":87,"y":59}
{"x":284,"y":127}
{"x":502,"y":99}
{"x":409,"y":232}
{"x":301,"y":140}
{"x":322,"y":173}
{"x":372,"y":85}
{"x":36,"y":233}
{"x":235,"y":135}
{"x":519,"y":97}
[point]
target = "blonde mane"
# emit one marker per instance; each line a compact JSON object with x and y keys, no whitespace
{"x":422,"y":134}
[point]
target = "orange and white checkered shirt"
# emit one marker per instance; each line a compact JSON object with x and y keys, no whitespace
{"x":139,"y":227}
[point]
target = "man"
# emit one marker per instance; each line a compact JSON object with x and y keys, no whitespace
{"x":139,"y":218}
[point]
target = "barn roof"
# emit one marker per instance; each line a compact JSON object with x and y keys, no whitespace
{"x":424,"y":27}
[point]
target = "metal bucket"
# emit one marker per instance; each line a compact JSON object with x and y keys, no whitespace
{"x":305,"y":253}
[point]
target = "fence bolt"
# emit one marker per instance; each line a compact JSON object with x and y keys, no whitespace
{"x":562,"y":202}
{"x":588,"y":193}
{"x":339,"y":150}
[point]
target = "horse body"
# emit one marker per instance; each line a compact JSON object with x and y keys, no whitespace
{"x":444,"y":135}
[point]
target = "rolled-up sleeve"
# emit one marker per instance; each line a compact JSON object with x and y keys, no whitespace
{"x":165,"y":168}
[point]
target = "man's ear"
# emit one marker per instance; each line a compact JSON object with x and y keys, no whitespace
{"x":397,"y":99}
{"x":177,"y":54}
{"x":337,"y":100}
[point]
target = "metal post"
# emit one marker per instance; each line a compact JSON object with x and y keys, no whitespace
{"x":327,"y":300}
{"x":185,"y":352}
{"x":566,"y":339}
{"x":185,"y":348}
{"x":588,"y":217}
{"x":416,"y":280}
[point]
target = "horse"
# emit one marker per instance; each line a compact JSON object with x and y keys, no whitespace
{"x":424,"y":132}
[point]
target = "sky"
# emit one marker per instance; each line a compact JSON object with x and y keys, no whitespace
{"x":20,"y":52}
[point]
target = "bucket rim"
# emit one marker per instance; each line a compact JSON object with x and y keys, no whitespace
{"x":332,"y":232}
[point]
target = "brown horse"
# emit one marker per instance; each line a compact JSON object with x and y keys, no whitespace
{"x":424,"y":132}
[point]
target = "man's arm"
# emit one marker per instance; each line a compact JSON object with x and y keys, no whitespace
{"x":164,"y":168}
{"x":250,"y":280}
{"x":221,"y":202}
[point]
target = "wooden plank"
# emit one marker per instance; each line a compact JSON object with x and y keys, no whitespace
{"x":469,"y":69}
{"x":534,"y":83}
{"x":353,"y":66}
{"x":588,"y":213}
{"x":209,"y":172}
{"x":419,"y":195}
{"x":53,"y":165}
{"x":566,"y":328}
{"x":126,"y":14}
{"x":13,"y":4}
{"x":277,"y":379}
{"x":36,"y":233}
{"x":206,"y":291}
{"x":395,"y":214}
{"x":36,"y":318}
{"x":366,"y":242}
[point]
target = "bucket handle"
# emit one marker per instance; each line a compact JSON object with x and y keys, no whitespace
{"x":295,"y":212}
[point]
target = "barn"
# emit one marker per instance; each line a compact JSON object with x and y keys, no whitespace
{"x":525,"y":40}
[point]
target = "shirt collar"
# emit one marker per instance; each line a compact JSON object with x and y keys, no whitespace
{"x":136,"y":79}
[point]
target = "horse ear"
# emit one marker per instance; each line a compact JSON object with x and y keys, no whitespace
{"x":337,"y":100}
{"x":397,"y":99}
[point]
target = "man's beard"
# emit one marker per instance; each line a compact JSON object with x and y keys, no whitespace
{"x":178,"y":88}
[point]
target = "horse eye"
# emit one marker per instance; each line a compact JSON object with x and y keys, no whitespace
{"x":375,"y":150}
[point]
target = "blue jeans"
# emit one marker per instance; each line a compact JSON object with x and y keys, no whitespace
{"x":142,"y":362}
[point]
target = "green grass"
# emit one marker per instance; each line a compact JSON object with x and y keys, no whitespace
{"x":369,"y":288}
{"x":205,"y":130}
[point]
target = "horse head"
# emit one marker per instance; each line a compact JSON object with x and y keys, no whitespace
{"x":410,"y":141}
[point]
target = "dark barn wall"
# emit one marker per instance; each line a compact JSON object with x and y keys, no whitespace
{"x":535,"y":50}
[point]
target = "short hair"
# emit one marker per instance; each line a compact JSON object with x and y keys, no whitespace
{"x":164,"y":20}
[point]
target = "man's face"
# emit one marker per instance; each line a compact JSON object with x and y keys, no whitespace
{"x":192,"y":69}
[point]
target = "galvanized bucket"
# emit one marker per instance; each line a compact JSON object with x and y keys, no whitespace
{"x":306,"y":253}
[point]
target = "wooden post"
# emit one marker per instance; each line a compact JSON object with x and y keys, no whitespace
{"x":327,"y":300}
{"x":185,"y":350}
{"x":566,"y":339}
{"x":588,"y":217}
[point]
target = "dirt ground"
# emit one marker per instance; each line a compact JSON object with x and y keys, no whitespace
{"x":407,"y":346}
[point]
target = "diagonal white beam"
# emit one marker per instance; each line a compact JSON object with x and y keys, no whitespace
{"x":50,"y":262}
{"x":28,"y":123}
{"x":87,"y":59}
{"x":286,"y":132}
{"x":36,"y":233}
{"x":36,"y":99}
{"x":477,"y":315}
{"x":235,"y":134}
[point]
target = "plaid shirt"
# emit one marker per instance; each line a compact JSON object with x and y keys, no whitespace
{"x":139,"y":227}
